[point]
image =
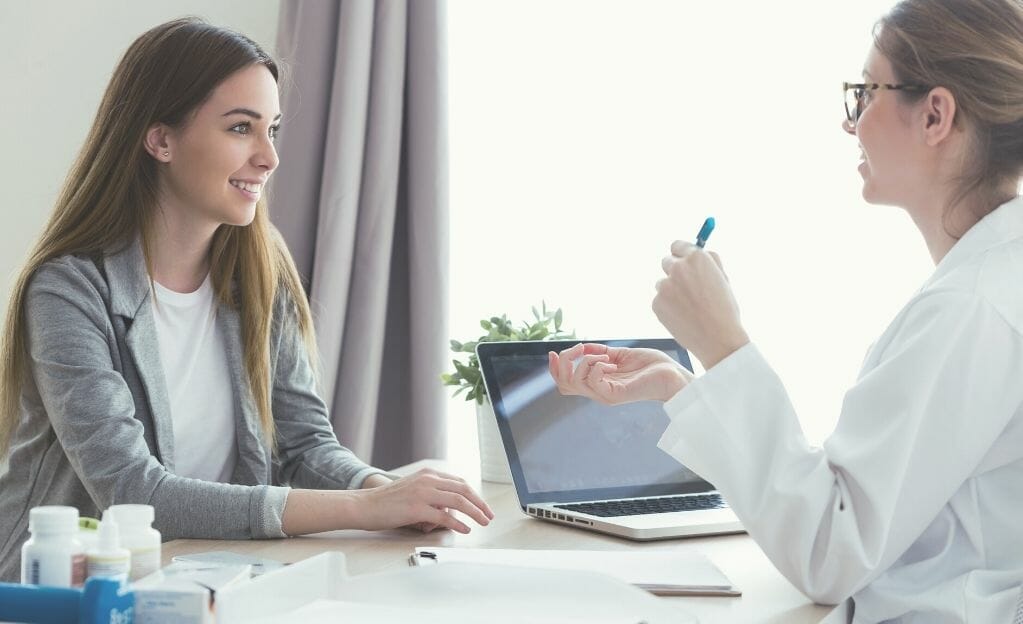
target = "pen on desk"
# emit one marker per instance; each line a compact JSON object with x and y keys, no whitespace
{"x":708,"y":227}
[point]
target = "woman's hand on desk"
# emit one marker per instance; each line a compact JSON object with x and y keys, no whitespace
{"x":378,"y":480}
{"x":614,"y":375}
{"x":423,"y":500}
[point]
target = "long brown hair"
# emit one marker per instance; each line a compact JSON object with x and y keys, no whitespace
{"x":110,"y":196}
{"x":974,"y":48}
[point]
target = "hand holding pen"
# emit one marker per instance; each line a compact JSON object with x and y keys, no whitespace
{"x":704,"y":233}
{"x":695,"y":303}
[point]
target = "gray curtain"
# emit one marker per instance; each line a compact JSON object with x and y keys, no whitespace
{"x":361,"y":198}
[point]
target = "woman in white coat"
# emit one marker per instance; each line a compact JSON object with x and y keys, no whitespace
{"x":911,"y":511}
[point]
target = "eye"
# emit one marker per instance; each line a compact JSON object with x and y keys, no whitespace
{"x":241,"y":128}
{"x":273,"y":132}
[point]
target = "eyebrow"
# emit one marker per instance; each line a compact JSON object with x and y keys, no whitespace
{"x":866,"y":74}
{"x":249,"y":112}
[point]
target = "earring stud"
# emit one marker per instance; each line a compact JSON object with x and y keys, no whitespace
{"x":166,"y":154}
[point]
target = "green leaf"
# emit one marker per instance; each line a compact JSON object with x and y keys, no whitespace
{"x":467,"y":375}
{"x":472,"y":375}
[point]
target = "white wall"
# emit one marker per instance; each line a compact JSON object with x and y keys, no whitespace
{"x":58,"y":57}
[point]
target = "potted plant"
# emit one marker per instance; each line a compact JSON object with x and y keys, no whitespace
{"x":546,"y":325}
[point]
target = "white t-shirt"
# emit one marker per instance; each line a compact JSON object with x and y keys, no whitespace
{"x":198,"y":382}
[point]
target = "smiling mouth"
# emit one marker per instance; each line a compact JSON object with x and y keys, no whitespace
{"x":250,"y":187}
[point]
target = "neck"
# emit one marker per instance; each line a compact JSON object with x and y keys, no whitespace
{"x":942,"y":226}
{"x":180,"y":251}
{"x":936,"y":234}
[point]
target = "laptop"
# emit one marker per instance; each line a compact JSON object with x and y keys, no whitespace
{"x":580,"y":463}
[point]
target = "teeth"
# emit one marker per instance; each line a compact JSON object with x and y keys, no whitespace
{"x":246,"y":186}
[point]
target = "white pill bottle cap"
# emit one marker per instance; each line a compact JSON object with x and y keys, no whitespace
{"x":132,"y":515}
{"x":52,"y":519}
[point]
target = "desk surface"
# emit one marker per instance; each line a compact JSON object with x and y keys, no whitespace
{"x":767,"y":596}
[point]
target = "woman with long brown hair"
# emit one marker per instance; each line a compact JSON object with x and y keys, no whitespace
{"x":911,"y":511}
{"x":159,"y":348}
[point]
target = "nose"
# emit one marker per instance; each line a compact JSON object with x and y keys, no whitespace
{"x":266,"y":156}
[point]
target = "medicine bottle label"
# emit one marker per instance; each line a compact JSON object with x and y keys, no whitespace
{"x":32,"y":576}
{"x":144,"y":562}
{"x":78,"y":570}
{"x":109,"y":568}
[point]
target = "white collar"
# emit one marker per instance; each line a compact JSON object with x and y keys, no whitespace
{"x":1001,"y":225}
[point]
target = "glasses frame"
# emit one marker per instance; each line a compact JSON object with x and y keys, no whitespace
{"x":863,"y":87}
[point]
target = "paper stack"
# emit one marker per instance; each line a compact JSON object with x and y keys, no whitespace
{"x":659,"y":572}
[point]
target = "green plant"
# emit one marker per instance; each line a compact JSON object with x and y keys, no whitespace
{"x":546,"y":326}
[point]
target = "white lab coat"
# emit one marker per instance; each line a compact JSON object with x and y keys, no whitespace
{"x":914,"y":506}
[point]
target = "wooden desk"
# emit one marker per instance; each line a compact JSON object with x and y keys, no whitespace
{"x":767,"y":596}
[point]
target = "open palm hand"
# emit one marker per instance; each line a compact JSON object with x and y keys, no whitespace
{"x":614,"y":375}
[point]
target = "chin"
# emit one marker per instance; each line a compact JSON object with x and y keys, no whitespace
{"x":872,"y":197}
{"x":241,"y":218}
{"x":870,"y":192}
{"x":867,"y":195}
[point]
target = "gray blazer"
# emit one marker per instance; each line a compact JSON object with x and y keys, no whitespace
{"x":96,"y":425}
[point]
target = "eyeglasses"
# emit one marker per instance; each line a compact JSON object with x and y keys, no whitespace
{"x":855,"y":94}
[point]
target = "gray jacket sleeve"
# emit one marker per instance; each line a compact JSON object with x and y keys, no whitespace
{"x":91,"y":409}
{"x":309,"y":453}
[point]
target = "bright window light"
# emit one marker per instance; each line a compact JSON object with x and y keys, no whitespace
{"x":587,"y":135}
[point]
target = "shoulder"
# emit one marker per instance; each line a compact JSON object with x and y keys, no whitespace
{"x":284,"y":310}
{"x":1000,"y":281}
{"x":286,"y":318}
{"x":991,"y":280}
{"x":72,"y":277}
{"x":64,"y":296}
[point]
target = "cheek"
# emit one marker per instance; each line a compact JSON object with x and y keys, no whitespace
{"x":214,"y":160}
{"x":873,"y":142}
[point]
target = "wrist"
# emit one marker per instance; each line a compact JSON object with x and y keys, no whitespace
{"x":314,"y":511}
{"x":375,"y":480}
{"x":350,"y":508}
{"x":678,"y":380}
{"x":728,"y":347}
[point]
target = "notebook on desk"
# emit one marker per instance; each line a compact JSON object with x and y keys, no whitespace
{"x":580,"y":463}
{"x":659,"y":572}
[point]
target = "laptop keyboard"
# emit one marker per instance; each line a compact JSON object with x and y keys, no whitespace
{"x":642,"y":506}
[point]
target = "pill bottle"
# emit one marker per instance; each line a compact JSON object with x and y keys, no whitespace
{"x":107,"y":558}
{"x":53,"y":555}
{"x":138,"y":536}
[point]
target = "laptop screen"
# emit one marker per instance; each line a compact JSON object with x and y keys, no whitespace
{"x":569,"y":448}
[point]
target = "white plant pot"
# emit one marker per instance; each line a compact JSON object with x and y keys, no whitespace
{"x":493,"y":460}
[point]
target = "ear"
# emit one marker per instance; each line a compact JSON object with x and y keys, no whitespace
{"x":939,"y":115}
{"x":157,"y":142}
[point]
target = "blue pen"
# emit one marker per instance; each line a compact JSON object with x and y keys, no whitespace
{"x":708,"y":227}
